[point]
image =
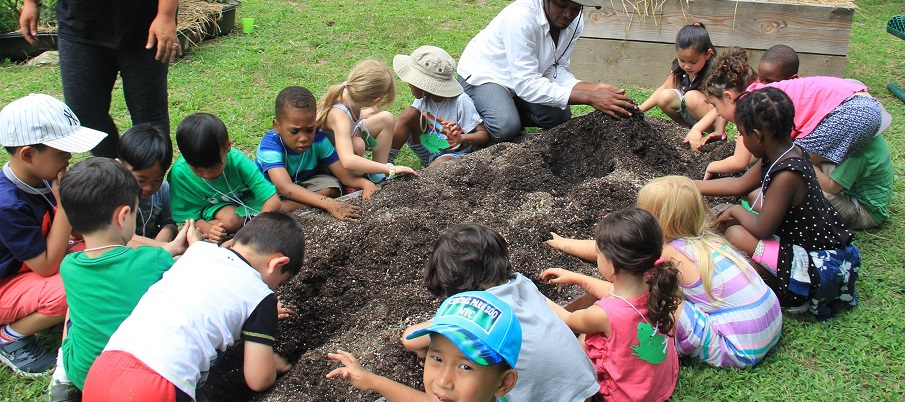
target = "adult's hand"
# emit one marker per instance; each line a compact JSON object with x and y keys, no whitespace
{"x":28,"y":21}
{"x":163,"y":34}
{"x":606,"y":98}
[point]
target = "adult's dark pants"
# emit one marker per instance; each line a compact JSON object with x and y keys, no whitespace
{"x":89,"y":72}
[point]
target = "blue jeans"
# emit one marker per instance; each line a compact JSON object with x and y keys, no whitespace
{"x":88,"y":73}
{"x":505,"y":115}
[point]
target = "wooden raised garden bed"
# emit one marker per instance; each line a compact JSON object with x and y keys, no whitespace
{"x":635,"y":46}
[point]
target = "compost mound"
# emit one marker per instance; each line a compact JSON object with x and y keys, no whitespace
{"x":361,"y":282}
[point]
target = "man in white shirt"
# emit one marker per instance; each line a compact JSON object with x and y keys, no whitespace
{"x":516,"y":70}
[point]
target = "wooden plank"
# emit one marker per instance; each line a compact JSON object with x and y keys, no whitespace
{"x":808,"y":28}
{"x":647,"y":64}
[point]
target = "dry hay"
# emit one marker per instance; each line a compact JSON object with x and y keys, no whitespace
{"x":361,"y":282}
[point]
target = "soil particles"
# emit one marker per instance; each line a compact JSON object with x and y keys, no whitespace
{"x":361,"y":283}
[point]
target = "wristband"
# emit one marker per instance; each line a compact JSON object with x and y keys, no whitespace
{"x":391,"y":170}
{"x":723,"y":136}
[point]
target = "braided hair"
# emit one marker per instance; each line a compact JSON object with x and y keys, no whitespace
{"x":730,"y":70}
{"x":769,"y":110}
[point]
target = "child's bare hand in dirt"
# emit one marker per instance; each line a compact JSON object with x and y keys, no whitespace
{"x":285,"y":310}
{"x":343,"y":211}
{"x":556,"y":241}
{"x":351,"y":371}
{"x":281,"y":365}
{"x":694,"y":139}
{"x":401,"y":170}
{"x":709,"y":172}
{"x":559,"y":276}
{"x":715,"y":136}
{"x":368,"y":190}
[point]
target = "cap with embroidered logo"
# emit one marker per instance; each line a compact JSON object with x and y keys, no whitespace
{"x":43,"y":119}
{"x":482,"y":326}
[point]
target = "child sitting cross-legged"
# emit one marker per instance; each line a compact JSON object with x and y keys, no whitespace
{"x":104,"y":281}
{"x":473,"y":342}
{"x":628,"y":332}
{"x":210,"y":298}
{"x":216,"y":185}
{"x":552,"y":366}
{"x":294,"y":154}
{"x":39,"y":132}
{"x":441,"y":112}
{"x":147,"y":153}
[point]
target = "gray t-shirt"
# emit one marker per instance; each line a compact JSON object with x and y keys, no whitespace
{"x":552,"y":366}
{"x":154,"y":213}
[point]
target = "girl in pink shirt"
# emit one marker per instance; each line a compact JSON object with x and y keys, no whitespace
{"x":629,"y":333}
{"x":834,"y":116}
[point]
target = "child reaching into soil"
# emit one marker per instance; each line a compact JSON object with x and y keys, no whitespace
{"x":474,"y":343}
{"x":347,"y":114}
{"x":627,"y":333}
{"x":681,"y":97}
{"x":441,"y":113}
{"x":834,"y":117}
{"x":730,"y":317}
{"x":552,"y":366}
{"x":801,"y":242}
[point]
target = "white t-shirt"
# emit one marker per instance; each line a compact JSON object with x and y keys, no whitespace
{"x":460,"y":110}
{"x":516,"y":51}
{"x":197,"y":309}
{"x":552,"y":365}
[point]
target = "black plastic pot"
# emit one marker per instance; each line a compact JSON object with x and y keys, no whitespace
{"x":14,"y":47}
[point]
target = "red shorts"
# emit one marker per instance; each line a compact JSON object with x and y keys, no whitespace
{"x":119,"y":376}
{"x":27,"y":293}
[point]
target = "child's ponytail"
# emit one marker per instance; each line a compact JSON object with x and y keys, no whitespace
{"x":367,"y":81}
{"x":327,"y":101}
{"x":663,"y":297}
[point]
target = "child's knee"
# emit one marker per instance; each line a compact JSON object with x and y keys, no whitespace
{"x":668,"y":99}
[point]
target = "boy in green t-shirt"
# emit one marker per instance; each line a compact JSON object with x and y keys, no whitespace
{"x":860,"y":187}
{"x":104,"y":282}
{"x":217,"y":186}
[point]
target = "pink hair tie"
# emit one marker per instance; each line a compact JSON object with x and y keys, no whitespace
{"x":345,"y":84}
{"x":659,"y":261}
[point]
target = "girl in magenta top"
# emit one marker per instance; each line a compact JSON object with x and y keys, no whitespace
{"x":629,"y":333}
{"x":834,"y":116}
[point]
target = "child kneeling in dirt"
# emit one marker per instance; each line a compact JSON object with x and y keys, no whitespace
{"x":433,"y":122}
{"x":210,"y":298}
{"x":553,"y":366}
{"x":294,"y":154}
{"x":473,"y":345}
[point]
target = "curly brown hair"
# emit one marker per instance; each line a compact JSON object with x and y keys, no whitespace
{"x":730,"y":71}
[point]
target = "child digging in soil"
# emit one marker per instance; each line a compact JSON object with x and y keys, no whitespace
{"x":441,"y":113}
{"x":473,"y":345}
{"x":295,"y":145}
{"x":148,"y":153}
{"x":801,"y":242}
{"x":347,"y":115}
{"x":834,"y":117}
{"x":627,"y":333}
{"x":730,"y":317}
{"x":681,"y":97}
{"x":208,"y":300}
{"x":552,"y":366}
{"x":214,"y":184}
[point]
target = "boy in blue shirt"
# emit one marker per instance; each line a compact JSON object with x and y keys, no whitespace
{"x":40,"y":133}
{"x":294,"y":154}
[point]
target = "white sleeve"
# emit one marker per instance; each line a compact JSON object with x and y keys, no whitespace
{"x":564,"y":76}
{"x":521,"y":39}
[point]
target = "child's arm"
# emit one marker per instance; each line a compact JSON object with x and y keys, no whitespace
{"x":349,"y":178}
{"x":740,"y":159}
{"x":213,"y":230}
{"x":720,"y":132}
{"x":272,"y":204}
{"x":341,"y":126}
{"x":584,"y":249}
{"x":478,"y":136}
{"x":297,"y":193}
{"x":731,"y":185}
{"x":695,"y":134}
{"x":167,"y":233}
{"x":651,"y":102}
{"x":421,"y":343}
{"x":368,"y":381}
{"x":185,"y":238}
{"x":261,"y":366}
{"x":828,"y":185}
{"x":559,"y":276}
{"x":590,"y":320}
{"x":787,"y":189}
{"x":57,"y":243}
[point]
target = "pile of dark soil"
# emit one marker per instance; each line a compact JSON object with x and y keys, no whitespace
{"x":361,"y":283}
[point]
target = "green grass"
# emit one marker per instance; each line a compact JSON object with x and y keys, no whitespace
{"x":856,"y":356}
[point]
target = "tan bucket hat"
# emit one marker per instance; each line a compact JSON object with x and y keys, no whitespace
{"x":430,"y":69}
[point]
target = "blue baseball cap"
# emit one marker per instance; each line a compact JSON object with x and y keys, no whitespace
{"x":482,"y":326}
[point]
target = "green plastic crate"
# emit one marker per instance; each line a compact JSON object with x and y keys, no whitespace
{"x":895,"y":26}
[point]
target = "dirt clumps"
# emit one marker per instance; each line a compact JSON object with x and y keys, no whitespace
{"x":361,"y":283}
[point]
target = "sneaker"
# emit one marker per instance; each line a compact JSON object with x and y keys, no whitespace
{"x":795,"y":310}
{"x":27,"y":358}
{"x":63,"y":392}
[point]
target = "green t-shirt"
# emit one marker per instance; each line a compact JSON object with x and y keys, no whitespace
{"x":868,"y":176}
{"x":241,"y":184}
{"x":101,"y":292}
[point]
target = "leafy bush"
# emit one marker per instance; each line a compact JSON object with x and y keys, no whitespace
{"x":10,"y":10}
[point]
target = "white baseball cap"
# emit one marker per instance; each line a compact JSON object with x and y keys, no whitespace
{"x":43,"y":119}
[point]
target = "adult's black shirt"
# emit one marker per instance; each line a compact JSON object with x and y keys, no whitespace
{"x":111,"y":23}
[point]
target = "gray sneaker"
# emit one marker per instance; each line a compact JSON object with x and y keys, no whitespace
{"x":27,"y":358}
{"x":63,"y":392}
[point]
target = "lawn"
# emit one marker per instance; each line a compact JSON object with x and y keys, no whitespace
{"x":856,"y":356}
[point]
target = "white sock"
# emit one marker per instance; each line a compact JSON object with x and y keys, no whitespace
{"x":59,"y":373}
{"x":8,"y":334}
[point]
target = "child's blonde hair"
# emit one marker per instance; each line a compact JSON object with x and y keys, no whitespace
{"x":682,"y":213}
{"x":368,"y":80}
